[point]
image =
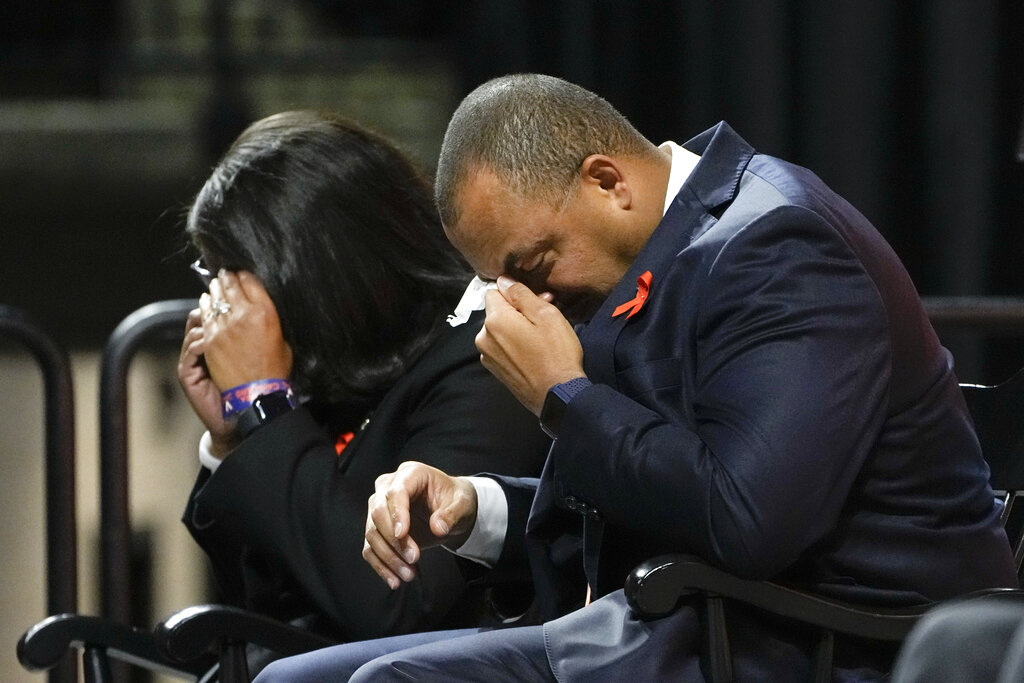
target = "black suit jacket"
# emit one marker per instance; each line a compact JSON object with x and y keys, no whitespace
{"x":283,"y":516}
{"x":780,"y":406}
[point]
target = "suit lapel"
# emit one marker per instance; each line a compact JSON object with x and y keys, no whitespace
{"x":713,"y":183}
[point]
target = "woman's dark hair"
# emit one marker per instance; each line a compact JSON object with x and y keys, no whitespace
{"x":341,"y":230}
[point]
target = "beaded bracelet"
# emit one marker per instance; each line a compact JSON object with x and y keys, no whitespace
{"x":237,"y":399}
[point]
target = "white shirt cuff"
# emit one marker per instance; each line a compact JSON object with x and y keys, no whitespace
{"x":206,"y":457}
{"x":488,"y":536}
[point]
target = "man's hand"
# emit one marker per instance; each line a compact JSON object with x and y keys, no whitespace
{"x":414,"y":508}
{"x":527,"y":343}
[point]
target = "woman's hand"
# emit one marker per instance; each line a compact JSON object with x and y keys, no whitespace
{"x":243,"y":342}
{"x":200,"y":389}
{"x":240,"y":344}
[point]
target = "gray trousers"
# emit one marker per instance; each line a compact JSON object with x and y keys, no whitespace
{"x":514,"y":654}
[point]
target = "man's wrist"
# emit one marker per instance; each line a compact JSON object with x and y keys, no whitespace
{"x":486,"y":540}
{"x":556,"y":401}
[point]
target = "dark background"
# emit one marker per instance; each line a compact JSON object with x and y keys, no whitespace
{"x":912,"y":109}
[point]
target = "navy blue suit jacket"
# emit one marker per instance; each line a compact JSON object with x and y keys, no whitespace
{"x":780,"y":406}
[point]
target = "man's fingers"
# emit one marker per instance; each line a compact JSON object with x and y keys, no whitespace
{"x":495,"y":302}
{"x":505,"y":283}
{"x":372,"y":547}
{"x":516,"y":297}
{"x":440,"y":525}
{"x":395,"y":532}
{"x":391,"y":555}
{"x":397,"y":500}
{"x":519,"y":296}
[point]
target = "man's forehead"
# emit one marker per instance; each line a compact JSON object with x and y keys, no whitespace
{"x":483,"y":228}
{"x":480,"y":188}
{"x":481,"y":248}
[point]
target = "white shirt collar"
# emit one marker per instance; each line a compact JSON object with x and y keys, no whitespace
{"x":683,"y":163}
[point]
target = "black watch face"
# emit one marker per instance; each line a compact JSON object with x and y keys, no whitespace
{"x":269,"y":406}
{"x":263,"y":409}
{"x":551,"y":414}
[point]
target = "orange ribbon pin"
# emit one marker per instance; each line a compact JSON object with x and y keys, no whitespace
{"x":343,"y":440}
{"x":643,"y":288}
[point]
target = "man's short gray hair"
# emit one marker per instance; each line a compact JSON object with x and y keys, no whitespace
{"x":533,"y":131}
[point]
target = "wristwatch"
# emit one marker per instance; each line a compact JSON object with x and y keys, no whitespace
{"x":264,"y":408}
{"x":557,"y":399}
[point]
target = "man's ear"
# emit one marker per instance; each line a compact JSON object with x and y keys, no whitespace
{"x":603,"y":173}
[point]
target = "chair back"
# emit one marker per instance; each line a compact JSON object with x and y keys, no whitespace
{"x":59,"y":424}
{"x":48,"y":642}
{"x":999,"y":423}
{"x":160,"y":320}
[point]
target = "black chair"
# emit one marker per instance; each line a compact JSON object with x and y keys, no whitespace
{"x":59,"y":425}
{"x":202,"y":630}
{"x":45,"y":644}
{"x":48,"y":642}
{"x":655,"y":587}
{"x":190,"y":645}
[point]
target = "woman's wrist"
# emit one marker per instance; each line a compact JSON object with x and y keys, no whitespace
{"x":223,"y":444}
{"x":237,"y":399}
{"x":212,"y":451}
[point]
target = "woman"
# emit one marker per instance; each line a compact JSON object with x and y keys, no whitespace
{"x":328,"y":271}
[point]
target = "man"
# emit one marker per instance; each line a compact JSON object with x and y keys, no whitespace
{"x":756,"y":383}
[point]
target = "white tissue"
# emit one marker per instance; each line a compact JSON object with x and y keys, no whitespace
{"x":472,"y":300}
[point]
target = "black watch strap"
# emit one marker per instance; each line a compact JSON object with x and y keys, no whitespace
{"x":264,"y":408}
{"x":557,"y":399}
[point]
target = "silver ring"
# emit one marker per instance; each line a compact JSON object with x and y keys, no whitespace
{"x":221,"y":307}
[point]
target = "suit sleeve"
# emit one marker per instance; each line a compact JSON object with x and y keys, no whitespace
{"x":787,"y":396}
{"x":283,"y":497}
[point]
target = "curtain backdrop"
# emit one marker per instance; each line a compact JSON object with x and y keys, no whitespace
{"x":910,"y":109}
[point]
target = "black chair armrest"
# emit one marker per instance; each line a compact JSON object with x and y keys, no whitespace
{"x":43,"y":645}
{"x":195,"y":631}
{"x":654,"y":588}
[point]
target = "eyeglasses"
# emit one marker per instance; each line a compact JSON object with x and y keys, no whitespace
{"x":202,"y":271}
